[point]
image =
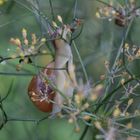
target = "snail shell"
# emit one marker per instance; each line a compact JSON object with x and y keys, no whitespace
{"x":40,"y":92}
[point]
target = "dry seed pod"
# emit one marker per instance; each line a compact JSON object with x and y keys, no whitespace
{"x":120,"y":20}
{"x":40,"y":92}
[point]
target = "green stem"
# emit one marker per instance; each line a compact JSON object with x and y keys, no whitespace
{"x":112,"y":93}
{"x":116,"y":59}
{"x":80,"y":59}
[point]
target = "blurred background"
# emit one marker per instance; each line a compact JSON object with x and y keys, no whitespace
{"x":98,"y":42}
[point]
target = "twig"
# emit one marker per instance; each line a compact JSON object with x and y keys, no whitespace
{"x":99,"y":104}
{"x":80,"y":59}
{"x":52,"y":11}
{"x":4,"y":115}
{"x":117,"y":57}
{"x":9,"y":91}
{"x":75,"y":9}
{"x":28,"y":120}
{"x":114,"y":91}
{"x":16,"y":57}
{"x":84,"y":132}
{"x":75,"y":37}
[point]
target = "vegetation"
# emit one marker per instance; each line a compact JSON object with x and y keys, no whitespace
{"x":69,"y":69}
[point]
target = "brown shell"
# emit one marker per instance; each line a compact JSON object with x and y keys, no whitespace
{"x":40,"y":92}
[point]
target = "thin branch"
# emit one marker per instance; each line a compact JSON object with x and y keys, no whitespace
{"x":16,"y":57}
{"x":121,"y":48}
{"x":80,"y":59}
{"x":119,"y":52}
{"x":75,"y":9}
{"x":99,"y":104}
{"x":75,"y":37}
{"x":4,"y":115}
{"x":9,"y":91}
{"x":52,"y":11}
{"x":127,"y":117}
{"x":28,"y":120}
{"x":114,"y":91}
{"x":84,"y":132}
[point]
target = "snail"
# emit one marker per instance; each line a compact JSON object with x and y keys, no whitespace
{"x":40,"y":91}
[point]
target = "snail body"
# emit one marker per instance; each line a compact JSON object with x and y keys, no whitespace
{"x":40,"y":92}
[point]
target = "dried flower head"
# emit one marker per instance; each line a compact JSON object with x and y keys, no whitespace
{"x":121,"y":14}
{"x":116,"y":112}
{"x":59,"y":18}
{"x":24,"y":33}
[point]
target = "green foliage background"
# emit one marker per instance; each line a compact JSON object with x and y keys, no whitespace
{"x":99,"y":41}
